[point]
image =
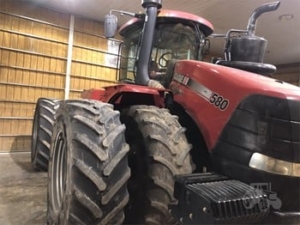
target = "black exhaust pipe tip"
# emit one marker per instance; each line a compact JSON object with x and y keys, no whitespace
{"x":269,"y":7}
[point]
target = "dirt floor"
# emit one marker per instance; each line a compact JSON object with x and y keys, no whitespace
{"x":23,"y":191}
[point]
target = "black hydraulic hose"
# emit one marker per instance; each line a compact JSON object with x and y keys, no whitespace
{"x":146,"y":46}
{"x":257,"y":12}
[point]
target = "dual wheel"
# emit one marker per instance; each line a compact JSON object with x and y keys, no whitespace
{"x":42,"y":129}
{"x":95,"y":177}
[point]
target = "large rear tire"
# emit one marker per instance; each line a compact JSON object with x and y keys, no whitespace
{"x":158,"y":151}
{"x":42,"y":129}
{"x":88,"y":168}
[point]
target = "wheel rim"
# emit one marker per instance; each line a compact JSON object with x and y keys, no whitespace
{"x":59,"y":171}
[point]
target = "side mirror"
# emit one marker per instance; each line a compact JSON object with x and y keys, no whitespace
{"x":110,"y":25}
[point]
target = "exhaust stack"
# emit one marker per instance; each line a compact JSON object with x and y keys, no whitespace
{"x":251,"y":48}
{"x":269,"y":7}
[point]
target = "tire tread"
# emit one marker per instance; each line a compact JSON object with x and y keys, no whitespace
{"x":167,"y":152}
{"x":44,"y":118}
{"x":96,"y":143}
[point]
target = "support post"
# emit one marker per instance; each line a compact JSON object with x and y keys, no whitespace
{"x":69,"y":57}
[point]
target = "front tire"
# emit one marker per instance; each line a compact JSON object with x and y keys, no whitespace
{"x":42,"y":129}
{"x":88,"y":168}
{"x":158,"y":151}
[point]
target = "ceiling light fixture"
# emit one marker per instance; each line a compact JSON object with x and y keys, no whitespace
{"x":286,"y":17}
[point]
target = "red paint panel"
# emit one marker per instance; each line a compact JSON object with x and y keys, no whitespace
{"x":97,"y":94}
{"x":113,"y":94}
{"x":186,"y":16}
{"x":231,"y":84}
{"x":175,"y":15}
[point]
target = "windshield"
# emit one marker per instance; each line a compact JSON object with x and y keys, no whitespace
{"x":171,"y":41}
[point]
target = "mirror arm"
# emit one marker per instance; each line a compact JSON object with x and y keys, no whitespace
{"x":137,"y":15}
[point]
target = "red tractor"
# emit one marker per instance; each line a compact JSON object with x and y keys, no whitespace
{"x":179,"y":139}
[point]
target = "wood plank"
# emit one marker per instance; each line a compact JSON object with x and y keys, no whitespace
{"x":15,"y":144}
{"x":28,"y":79}
{"x":14,"y":109}
{"x":288,"y":77}
{"x":288,"y":68}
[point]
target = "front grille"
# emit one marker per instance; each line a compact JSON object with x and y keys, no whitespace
{"x":232,"y":199}
{"x":267,"y":125}
{"x":210,"y":198}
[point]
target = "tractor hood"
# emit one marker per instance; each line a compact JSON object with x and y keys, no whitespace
{"x":202,"y":82}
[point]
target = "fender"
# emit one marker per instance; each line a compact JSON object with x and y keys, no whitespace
{"x":210,"y":93}
{"x":127,"y":94}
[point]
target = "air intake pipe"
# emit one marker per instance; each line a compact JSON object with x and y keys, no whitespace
{"x":151,"y":7}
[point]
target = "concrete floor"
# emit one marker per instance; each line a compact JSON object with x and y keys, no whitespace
{"x":23,"y":191}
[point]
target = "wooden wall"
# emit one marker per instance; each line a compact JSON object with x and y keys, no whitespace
{"x":33,"y":60}
{"x":289,"y":73}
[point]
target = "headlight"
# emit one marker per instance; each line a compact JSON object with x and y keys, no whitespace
{"x":272,"y":165}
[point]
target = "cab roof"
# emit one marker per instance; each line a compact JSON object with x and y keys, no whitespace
{"x":170,"y":16}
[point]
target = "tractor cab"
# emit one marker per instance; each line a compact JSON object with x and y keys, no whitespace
{"x":177,"y":36}
{"x":153,"y":41}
